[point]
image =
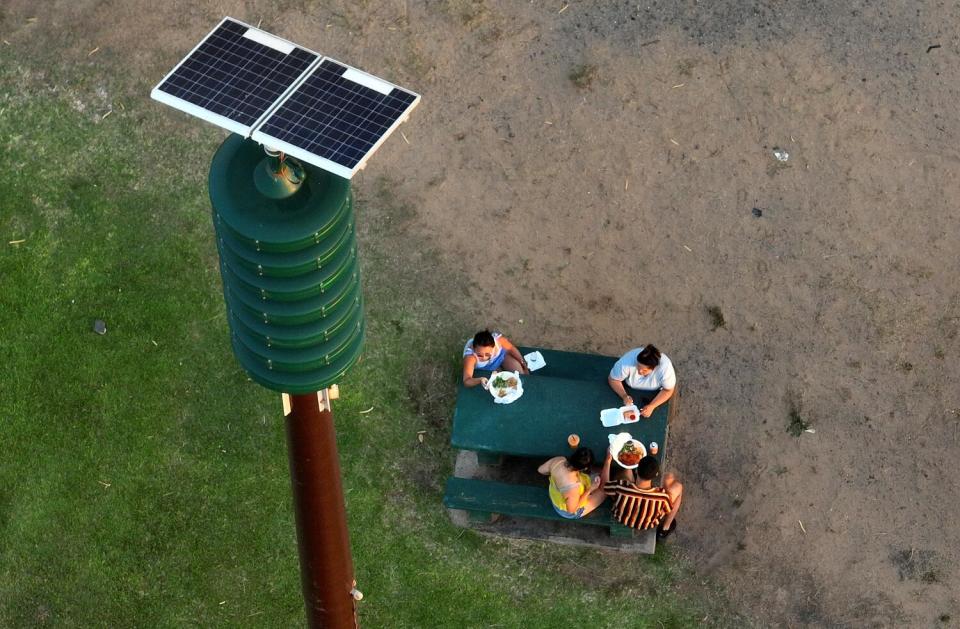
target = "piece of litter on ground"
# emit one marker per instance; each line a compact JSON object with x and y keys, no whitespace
{"x":100,"y":327}
{"x":933,"y":47}
{"x":548,"y":122}
{"x":93,"y":51}
{"x":811,"y":431}
{"x":104,"y":116}
{"x":6,"y":43}
{"x":519,"y":320}
{"x":757,"y":212}
{"x":678,"y":85}
{"x":222,"y":602}
{"x":17,"y":242}
{"x":103,"y":483}
{"x":674,"y":141}
{"x":564,"y":8}
{"x":154,"y":342}
{"x":780,"y":154}
{"x":420,"y":435}
{"x":801,"y":526}
{"x":366,"y":411}
{"x":31,"y":19}
{"x":404,"y":137}
{"x":688,"y":248}
{"x":626,"y":184}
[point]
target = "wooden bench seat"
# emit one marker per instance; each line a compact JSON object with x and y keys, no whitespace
{"x":483,"y":498}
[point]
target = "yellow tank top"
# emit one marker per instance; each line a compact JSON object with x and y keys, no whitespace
{"x":556,"y":497}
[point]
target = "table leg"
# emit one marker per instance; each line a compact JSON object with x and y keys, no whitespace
{"x":489,"y":458}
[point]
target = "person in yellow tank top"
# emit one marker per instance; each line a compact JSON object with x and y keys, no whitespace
{"x":572,"y":492}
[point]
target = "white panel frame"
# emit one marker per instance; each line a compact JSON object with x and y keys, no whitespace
{"x":200,"y":112}
{"x":274,"y":144}
{"x":271,"y":41}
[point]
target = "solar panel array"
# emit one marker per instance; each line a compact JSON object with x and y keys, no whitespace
{"x":333,"y":117}
{"x":286,"y":97}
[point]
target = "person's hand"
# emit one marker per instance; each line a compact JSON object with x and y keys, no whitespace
{"x":627,"y":400}
{"x":609,"y":455}
{"x":646,"y":411}
{"x":483,"y":383}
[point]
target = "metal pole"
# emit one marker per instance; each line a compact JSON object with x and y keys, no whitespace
{"x":326,"y":567}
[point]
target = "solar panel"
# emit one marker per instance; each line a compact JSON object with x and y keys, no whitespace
{"x":234,"y":76}
{"x":286,"y":97}
{"x":336,"y":118}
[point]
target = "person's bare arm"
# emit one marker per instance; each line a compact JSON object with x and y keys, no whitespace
{"x":605,"y":474}
{"x":662,"y":396}
{"x":617,"y":386}
{"x":546,"y":467}
{"x":512,"y":351}
{"x":469,"y":364}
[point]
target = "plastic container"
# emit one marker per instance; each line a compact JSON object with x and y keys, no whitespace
{"x":611,"y":417}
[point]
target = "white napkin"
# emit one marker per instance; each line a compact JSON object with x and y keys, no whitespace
{"x":535,"y":361}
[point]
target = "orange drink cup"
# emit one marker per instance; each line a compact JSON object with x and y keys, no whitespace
{"x":573,"y":440}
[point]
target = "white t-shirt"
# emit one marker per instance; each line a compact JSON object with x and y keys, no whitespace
{"x":662,"y":376}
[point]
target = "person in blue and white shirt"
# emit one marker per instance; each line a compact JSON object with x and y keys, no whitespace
{"x":648,"y":373}
{"x":492,"y":351}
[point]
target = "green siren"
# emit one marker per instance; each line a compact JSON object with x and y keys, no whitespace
{"x":288,"y":260}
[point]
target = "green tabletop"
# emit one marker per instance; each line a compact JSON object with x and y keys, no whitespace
{"x":537,"y":424}
{"x":573,"y":365}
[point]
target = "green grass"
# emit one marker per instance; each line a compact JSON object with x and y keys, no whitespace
{"x":144,"y":478}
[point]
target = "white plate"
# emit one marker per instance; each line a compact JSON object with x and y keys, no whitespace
{"x":512,"y":393}
{"x":618,"y":441}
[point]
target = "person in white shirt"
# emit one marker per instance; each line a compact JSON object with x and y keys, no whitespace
{"x":649,"y":372}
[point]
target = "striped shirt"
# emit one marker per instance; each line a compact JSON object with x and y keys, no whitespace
{"x":635,"y":507}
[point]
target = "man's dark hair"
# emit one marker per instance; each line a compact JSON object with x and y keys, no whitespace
{"x":649,"y":356}
{"x":648,"y":468}
{"x":581,"y":459}
{"x":484,"y":338}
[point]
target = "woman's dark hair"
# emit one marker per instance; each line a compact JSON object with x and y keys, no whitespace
{"x":483,"y":338}
{"x":648,"y":468}
{"x":581,"y":459}
{"x":649,"y":356}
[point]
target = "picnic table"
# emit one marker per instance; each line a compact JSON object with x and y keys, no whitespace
{"x":564,"y":397}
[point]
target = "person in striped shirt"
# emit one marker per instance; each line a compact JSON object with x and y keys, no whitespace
{"x":636,"y":502}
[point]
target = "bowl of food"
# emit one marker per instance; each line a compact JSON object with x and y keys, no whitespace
{"x":504,"y":386}
{"x":629,"y":414}
{"x":626,"y":450}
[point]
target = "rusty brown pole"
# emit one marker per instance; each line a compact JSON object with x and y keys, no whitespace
{"x":326,"y":567}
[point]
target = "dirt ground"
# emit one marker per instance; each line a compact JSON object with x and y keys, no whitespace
{"x":598,"y":175}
